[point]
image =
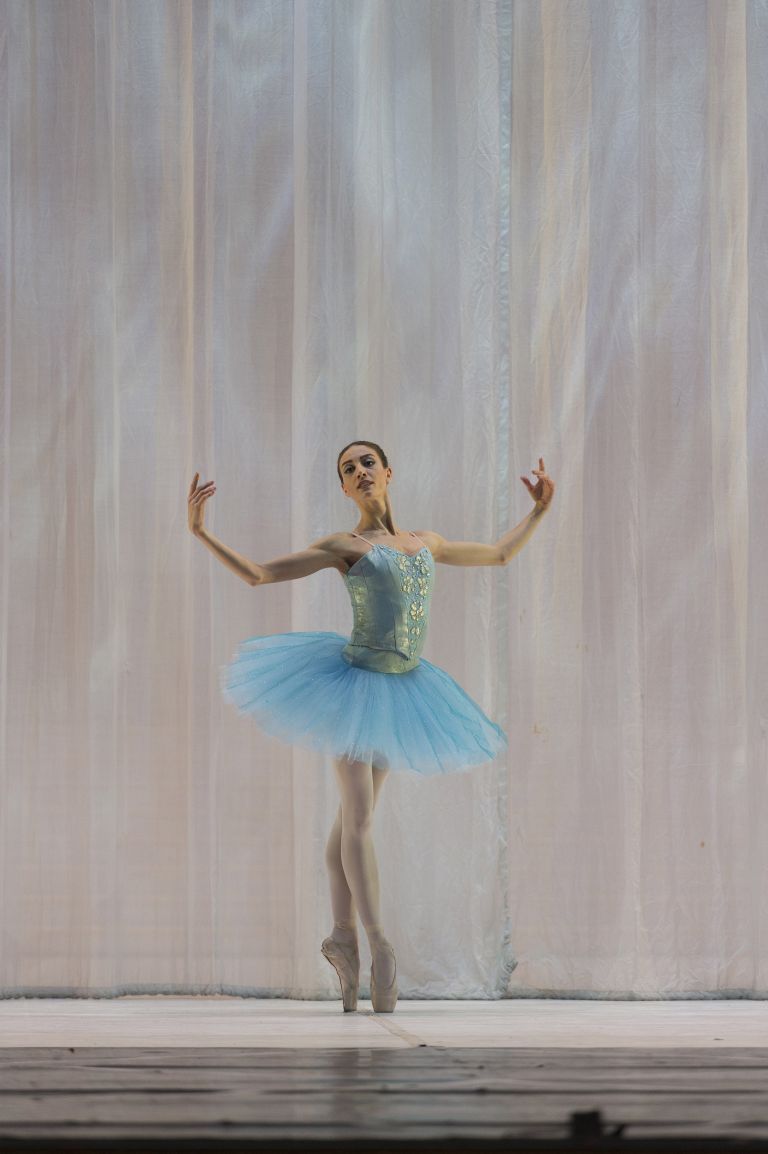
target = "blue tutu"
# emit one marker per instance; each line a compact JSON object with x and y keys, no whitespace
{"x":370,"y":697}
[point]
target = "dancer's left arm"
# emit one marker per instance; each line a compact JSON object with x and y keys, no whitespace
{"x":477,"y":553}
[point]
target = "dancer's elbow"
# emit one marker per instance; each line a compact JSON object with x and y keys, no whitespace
{"x":260,"y":575}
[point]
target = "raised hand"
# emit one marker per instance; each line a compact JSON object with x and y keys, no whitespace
{"x":544,"y":490}
{"x":196,"y":502}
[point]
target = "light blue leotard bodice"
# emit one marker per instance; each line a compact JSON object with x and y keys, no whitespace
{"x":390,"y":593}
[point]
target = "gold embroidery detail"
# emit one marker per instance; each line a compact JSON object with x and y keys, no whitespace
{"x":415,"y":573}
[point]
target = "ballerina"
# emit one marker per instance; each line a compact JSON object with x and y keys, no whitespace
{"x":338,"y":695}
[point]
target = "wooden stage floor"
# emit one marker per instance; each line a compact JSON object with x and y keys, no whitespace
{"x":217,"y":1073}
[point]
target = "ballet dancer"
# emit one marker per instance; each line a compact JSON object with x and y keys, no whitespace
{"x":370,"y":700}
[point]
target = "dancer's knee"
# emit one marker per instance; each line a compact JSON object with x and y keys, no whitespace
{"x":357,"y":819}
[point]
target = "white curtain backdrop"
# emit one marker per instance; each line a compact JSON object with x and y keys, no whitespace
{"x":235,"y":236}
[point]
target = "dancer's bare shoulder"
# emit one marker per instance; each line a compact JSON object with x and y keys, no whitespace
{"x":341,"y":549}
{"x":431,"y":539}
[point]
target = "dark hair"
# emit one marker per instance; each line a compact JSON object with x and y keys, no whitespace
{"x":371,"y":445}
{"x":389,"y":519}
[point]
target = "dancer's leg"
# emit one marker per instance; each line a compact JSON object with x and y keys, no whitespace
{"x":342,"y":902}
{"x":358,"y":857}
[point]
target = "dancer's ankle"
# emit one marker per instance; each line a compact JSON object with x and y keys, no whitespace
{"x":345,"y":932}
{"x":376,"y":937}
{"x":382,"y":957}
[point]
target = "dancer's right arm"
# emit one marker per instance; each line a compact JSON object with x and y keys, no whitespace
{"x":321,"y":554}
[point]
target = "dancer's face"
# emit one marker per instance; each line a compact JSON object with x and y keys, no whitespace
{"x":363,"y":477}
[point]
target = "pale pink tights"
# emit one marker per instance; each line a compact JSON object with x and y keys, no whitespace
{"x":351,"y":861}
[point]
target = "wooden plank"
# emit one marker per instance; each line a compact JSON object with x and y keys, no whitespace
{"x":380,"y":1099}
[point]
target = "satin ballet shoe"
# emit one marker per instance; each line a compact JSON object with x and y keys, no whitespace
{"x":384,"y":999}
{"x":345,"y":960}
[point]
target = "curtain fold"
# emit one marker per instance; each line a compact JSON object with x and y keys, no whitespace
{"x":234,"y":236}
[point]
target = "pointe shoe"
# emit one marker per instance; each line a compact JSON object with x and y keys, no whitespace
{"x":384,"y":999}
{"x":345,"y":960}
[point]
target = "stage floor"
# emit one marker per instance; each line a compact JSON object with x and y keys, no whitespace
{"x":177,"y":1074}
{"x":272,"y":1022}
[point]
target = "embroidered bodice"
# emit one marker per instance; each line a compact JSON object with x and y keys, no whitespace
{"x":390,"y":593}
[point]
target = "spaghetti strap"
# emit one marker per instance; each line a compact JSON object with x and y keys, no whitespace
{"x":417,"y":538}
{"x":362,"y":538}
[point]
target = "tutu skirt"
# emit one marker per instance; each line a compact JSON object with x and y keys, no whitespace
{"x":299,"y":688}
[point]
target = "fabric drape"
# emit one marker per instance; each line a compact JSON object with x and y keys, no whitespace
{"x":235,"y":236}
